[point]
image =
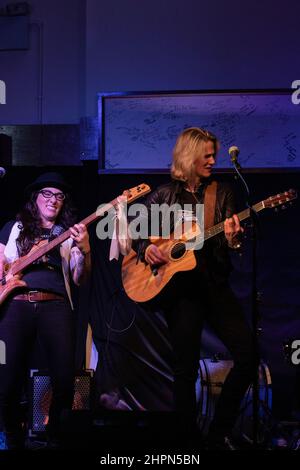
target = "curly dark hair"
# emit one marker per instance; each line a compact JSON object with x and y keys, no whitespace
{"x":31,"y":222}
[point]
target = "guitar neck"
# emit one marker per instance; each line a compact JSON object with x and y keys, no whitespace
{"x":245,"y":214}
{"x":25,"y":261}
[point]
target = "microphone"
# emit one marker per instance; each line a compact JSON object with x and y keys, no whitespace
{"x":234,"y":152}
{"x":2,"y":172}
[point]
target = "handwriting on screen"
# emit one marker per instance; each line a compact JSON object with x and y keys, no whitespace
{"x":140,"y":131}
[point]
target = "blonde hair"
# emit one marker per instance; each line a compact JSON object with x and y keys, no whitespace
{"x":188,"y":147}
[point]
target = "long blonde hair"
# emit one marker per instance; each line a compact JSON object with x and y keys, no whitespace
{"x":188,"y":147}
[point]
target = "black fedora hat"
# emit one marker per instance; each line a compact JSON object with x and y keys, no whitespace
{"x":51,"y":179}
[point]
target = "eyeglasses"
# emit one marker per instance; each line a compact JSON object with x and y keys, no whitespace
{"x":48,"y":194}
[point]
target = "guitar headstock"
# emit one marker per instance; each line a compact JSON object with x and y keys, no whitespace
{"x":138,"y":191}
{"x":279,"y":199}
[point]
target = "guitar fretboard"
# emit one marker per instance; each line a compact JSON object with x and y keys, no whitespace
{"x":218,"y":228}
{"x":132,"y":195}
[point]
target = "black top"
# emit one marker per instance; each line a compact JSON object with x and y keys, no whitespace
{"x":44,"y":274}
{"x":186,"y":197}
{"x":215,"y":251}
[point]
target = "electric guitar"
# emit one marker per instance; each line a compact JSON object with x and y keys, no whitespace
{"x":143,"y":282}
{"x":12,"y":276}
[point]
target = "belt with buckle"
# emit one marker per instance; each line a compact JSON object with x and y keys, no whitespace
{"x":37,"y":296}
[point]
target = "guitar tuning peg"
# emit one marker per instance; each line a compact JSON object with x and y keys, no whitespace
{"x":283,"y":206}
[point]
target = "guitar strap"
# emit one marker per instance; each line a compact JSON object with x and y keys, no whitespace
{"x":210,"y":196}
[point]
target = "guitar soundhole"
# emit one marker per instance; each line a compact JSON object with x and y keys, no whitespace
{"x":178,"y":250}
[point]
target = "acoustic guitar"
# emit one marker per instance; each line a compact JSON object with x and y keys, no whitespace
{"x":143,"y":282}
{"x":12,"y":277}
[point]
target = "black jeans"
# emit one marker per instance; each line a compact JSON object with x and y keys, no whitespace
{"x":52,"y":323}
{"x":194,"y":300}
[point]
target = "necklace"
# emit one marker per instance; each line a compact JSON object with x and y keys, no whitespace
{"x":195,"y":197}
{"x":193,"y":193}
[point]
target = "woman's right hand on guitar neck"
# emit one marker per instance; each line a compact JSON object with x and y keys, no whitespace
{"x":154,"y":256}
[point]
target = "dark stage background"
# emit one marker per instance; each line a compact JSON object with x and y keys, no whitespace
{"x":135,"y":358}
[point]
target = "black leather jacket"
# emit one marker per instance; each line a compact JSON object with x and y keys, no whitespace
{"x":215,"y":251}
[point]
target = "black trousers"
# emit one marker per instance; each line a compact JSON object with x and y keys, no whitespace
{"x":52,"y":324}
{"x":190,"y":301}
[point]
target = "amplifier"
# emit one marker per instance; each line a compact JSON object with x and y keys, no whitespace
{"x":41,"y":393}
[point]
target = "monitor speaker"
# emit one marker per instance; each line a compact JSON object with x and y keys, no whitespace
{"x":41,"y":394}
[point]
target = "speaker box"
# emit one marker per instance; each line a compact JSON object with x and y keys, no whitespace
{"x":41,"y":394}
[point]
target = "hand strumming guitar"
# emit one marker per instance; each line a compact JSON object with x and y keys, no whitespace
{"x":154,"y":256}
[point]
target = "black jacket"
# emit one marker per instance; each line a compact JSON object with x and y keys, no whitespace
{"x":215,"y":252}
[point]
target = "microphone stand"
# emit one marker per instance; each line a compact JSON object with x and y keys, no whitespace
{"x":254,"y":304}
